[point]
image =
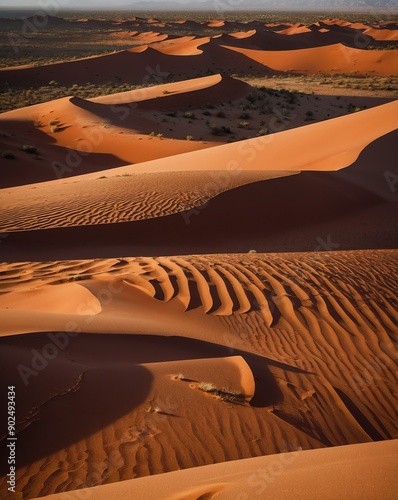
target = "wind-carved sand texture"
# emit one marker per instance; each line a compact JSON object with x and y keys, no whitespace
{"x":198,"y":278}
{"x":282,"y":352}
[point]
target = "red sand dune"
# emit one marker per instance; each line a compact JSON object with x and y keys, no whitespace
{"x":187,"y":46}
{"x":359,"y":26}
{"x":353,"y":207}
{"x":242,"y":34}
{"x":234,"y":361}
{"x":195,"y":367}
{"x":337,"y":22}
{"x":92,"y":137}
{"x":98,"y":134}
{"x":381,"y":34}
{"x":186,"y":94}
{"x":330,"y":59}
{"x":300,"y":49}
{"x":216,"y":24}
{"x":346,"y":471}
{"x":294,"y":30}
{"x":150,"y":37}
{"x":261,"y":158}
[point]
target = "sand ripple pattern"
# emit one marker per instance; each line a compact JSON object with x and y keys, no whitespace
{"x":115,"y":199}
{"x":339,"y":308}
{"x":319,"y":332}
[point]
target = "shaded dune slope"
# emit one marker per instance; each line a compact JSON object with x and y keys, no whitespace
{"x":325,"y":210}
{"x":194,"y":93}
{"x":107,"y":132}
{"x":336,"y":58}
{"x":110,"y":199}
{"x":236,"y":55}
{"x":350,"y":471}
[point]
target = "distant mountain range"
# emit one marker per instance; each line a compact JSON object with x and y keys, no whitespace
{"x":231,"y":5}
{"x":390,"y":6}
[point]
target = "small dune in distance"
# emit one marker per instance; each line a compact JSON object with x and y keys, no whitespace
{"x":198,"y":256}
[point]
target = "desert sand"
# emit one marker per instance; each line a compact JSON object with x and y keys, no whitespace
{"x":198,"y":277}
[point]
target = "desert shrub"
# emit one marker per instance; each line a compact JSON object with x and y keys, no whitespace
{"x":153,"y":134}
{"x":54,"y":129}
{"x":224,"y":394}
{"x":245,"y":116}
{"x":53,"y":122}
{"x":29,"y":149}
{"x":262,"y":131}
{"x":153,"y":409}
{"x":189,"y":138}
{"x":7,"y":155}
{"x":207,"y":387}
{"x":243,"y":125}
{"x":159,"y":135}
{"x":190,"y":115}
{"x":215,"y":130}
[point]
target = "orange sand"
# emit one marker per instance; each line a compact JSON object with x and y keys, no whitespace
{"x":190,"y":317}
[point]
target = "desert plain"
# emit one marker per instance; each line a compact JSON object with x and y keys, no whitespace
{"x":198,"y":278}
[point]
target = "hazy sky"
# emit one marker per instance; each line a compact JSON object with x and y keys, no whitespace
{"x":192,"y":4}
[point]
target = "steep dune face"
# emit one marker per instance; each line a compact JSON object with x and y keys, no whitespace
{"x":299,"y":347}
{"x":72,"y":136}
